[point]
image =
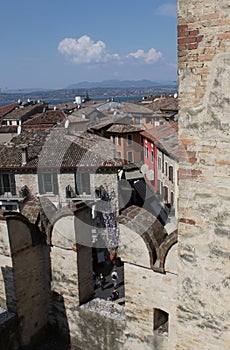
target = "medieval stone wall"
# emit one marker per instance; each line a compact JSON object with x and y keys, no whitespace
{"x":204,"y":74}
{"x":31,"y":278}
{"x":7,"y":291}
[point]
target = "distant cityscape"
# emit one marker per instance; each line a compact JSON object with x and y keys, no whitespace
{"x":135,"y":92}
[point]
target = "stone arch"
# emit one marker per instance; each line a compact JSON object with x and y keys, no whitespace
{"x":71,"y":255}
{"x":30,"y":260}
{"x":147,"y":234}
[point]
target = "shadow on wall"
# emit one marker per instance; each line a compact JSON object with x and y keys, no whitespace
{"x":8,"y":277}
{"x":27,"y":286}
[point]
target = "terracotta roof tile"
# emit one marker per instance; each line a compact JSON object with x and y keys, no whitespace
{"x":165,"y":137}
{"x":56,"y":149}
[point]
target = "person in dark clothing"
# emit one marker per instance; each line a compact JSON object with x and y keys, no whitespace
{"x":115,"y":294}
{"x":102,"y":280}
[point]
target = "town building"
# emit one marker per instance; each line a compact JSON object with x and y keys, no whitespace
{"x":54,"y":163}
{"x":127,"y":141}
{"x":160,"y":168}
{"x":17,"y":113}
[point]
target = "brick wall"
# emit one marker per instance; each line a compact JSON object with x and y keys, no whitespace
{"x":204,"y":246}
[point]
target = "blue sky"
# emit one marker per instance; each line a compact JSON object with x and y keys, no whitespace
{"x":52,"y":44}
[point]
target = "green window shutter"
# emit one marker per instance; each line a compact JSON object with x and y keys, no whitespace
{"x":40,"y":184}
{"x":55,"y":183}
{"x":12,"y":185}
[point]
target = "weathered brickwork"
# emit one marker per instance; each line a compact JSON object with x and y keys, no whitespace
{"x":203,"y":270}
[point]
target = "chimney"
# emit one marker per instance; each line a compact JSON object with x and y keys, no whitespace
{"x":24,"y":154}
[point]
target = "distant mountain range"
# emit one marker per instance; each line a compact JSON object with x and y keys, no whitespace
{"x":110,"y":84}
{"x":120,"y":84}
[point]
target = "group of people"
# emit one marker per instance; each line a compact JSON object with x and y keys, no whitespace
{"x":101,"y":280}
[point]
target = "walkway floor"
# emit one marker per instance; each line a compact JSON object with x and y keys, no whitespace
{"x":106,"y":268}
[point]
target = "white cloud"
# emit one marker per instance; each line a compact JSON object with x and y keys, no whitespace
{"x":150,"y":56}
{"x":85,"y":50}
{"x":168,"y":10}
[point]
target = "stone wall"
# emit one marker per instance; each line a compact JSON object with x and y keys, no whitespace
{"x":31,"y":277}
{"x":204,"y":74}
{"x":30,"y":180}
{"x":7,"y":290}
{"x":71,"y":266}
{"x":9,"y":331}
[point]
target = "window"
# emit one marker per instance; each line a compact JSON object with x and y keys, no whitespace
{"x":159,"y":163}
{"x":152,"y":156}
{"x":118,"y":140}
{"x":160,"y":321}
{"x":163,"y":163}
{"x":138,"y":120}
{"x":82,"y":182}
{"x":165,"y":194}
{"x":118,"y":154}
{"x":7,"y":184}
{"x":113,"y":139}
{"x":130,"y":156}
{"x":130,"y":139}
{"x":47,"y":183}
{"x":146,"y":152}
{"x":171,"y":174}
{"x":172,"y":199}
{"x":166,"y":168}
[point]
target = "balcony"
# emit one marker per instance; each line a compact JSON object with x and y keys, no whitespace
{"x":10,"y":194}
{"x":71,"y":195}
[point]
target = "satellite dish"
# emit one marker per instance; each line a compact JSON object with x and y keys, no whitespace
{"x":19,"y":130}
{"x":67,"y":123}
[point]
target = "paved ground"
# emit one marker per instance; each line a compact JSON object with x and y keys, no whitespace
{"x":53,"y":343}
{"x":106,"y":268}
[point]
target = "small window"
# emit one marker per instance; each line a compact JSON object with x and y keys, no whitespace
{"x":118,"y":154}
{"x":152,"y":156}
{"x":172,"y":199}
{"x":165,"y":194}
{"x":171,"y":174}
{"x":47,"y":183}
{"x":160,"y":321}
{"x":119,"y":140}
{"x":159,"y":163}
{"x":82,"y":183}
{"x":130,"y":139}
{"x":146,"y":152}
{"x":130,"y":157}
{"x":166,"y":168}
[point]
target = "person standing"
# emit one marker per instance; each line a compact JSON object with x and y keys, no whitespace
{"x":102,"y":281}
{"x":114,"y":277}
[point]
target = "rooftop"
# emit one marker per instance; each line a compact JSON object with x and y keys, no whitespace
{"x":124,"y":128}
{"x":45,"y":120}
{"x":165,"y":137}
{"x":57,"y":149}
{"x":20,"y":111}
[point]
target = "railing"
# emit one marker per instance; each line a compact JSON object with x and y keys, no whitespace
{"x":8,"y":194}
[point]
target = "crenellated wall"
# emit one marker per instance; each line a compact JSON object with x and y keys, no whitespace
{"x":203,"y":307}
